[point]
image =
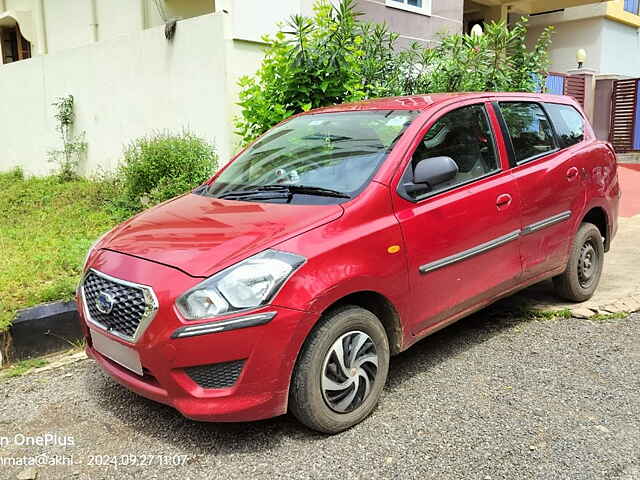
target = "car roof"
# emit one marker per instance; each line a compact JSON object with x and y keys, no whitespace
{"x":424,"y":102}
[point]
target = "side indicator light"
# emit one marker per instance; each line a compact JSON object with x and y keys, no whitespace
{"x":393,"y":249}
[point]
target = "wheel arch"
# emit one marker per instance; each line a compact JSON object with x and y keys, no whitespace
{"x":382,"y":308}
{"x":598,"y":216}
{"x":377,"y":303}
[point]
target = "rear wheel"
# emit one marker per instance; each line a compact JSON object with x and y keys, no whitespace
{"x":341,"y":370}
{"x":584,"y":268}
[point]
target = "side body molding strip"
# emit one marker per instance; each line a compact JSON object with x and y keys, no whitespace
{"x":477,"y":250}
{"x":547,"y":222}
{"x":497,"y":242}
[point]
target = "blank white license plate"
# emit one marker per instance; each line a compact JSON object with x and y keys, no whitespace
{"x":121,"y":354}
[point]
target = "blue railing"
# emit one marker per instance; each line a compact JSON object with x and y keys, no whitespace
{"x":632,"y":6}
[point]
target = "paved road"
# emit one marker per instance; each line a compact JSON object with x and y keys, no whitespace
{"x":488,"y":398}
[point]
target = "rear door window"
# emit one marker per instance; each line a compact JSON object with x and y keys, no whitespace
{"x":529,"y":130}
{"x":568,"y":123}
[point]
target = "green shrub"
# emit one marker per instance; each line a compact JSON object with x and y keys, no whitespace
{"x":73,"y":146}
{"x":328,"y":59}
{"x":497,"y":61}
{"x":334,"y":57}
{"x":162,"y":166}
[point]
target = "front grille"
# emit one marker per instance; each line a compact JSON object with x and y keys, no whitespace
{"x":130,"y":305}
{"x":216,"y":375}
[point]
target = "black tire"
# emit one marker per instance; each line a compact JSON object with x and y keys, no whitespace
{"x":584,"y":268}
{"x":345,"y":328}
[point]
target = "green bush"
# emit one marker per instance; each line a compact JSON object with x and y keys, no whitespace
{"x":497,"y":61}
{"x":162,"y":166}
{"x":334,"y":57}
{"x":321,"y":61}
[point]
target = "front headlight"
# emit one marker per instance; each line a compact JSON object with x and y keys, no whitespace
{"x":247,"y":284}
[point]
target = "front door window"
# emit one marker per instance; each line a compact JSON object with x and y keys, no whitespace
{"x":465,"y":136}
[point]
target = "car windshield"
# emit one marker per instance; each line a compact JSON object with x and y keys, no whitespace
{"x":316,"y":158}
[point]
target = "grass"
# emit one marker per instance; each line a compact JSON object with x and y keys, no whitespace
{"x":23,"y":367}
{"x":47,"y":229}
{"x":609,"y":316}
{"x":529,"y":313}
{"x":535,"y":314}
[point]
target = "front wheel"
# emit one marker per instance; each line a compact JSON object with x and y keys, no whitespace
{"x":341,"y":370}
{"x":584,"y":268}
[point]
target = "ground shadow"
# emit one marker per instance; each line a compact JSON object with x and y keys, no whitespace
{"x":455,"y":339}
{"x":159,"y":421}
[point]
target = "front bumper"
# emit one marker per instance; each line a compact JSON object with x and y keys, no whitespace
{"x":268,"y":350}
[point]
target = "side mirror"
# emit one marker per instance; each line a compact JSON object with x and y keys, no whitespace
{"x":435,"y":170}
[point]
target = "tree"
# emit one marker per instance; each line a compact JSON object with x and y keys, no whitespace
{"x":335,"y":57}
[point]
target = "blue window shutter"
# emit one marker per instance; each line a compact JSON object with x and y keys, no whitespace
{"x":555,"y":84}
{"x":631,"y":6}
{"x":636,"y":123}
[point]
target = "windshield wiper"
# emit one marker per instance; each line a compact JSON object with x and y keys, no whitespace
{"x":332,"y":138}
{"x":287,"y":190}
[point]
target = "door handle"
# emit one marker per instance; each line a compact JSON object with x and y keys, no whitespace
{"x":503,"y":201}
{"x":572,"y":173}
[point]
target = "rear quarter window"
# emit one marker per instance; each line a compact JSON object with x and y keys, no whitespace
{"x":568,"y":123}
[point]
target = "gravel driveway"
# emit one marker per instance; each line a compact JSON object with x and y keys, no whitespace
{"x":488,"y":398}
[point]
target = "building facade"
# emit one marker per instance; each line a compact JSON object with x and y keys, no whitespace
{"x":595,"y":56}
{"x":39,"y":27}
{"x":139,"y":66}
{"x":608,"y":32}
{"x":420,"y":21}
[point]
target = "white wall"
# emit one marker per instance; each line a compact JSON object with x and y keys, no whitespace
{"x":569,"y":37}
{"x":18,"y":4}
{"x":118,"y":17}
{"x":251,"y":19}
{"x":67,"y":24}
{"x":124,"y":88}
{"x":246,"y":60}
{"x":612,"y":47}
{"x":621,"y":49}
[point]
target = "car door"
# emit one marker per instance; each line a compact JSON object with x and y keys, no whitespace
{"x":461,"y":237}
{"x":550,"y":181}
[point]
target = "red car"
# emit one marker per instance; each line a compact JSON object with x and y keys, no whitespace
{"x":339,"y":238}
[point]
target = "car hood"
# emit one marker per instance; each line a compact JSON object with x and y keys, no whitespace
{"x":202,"y":235}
